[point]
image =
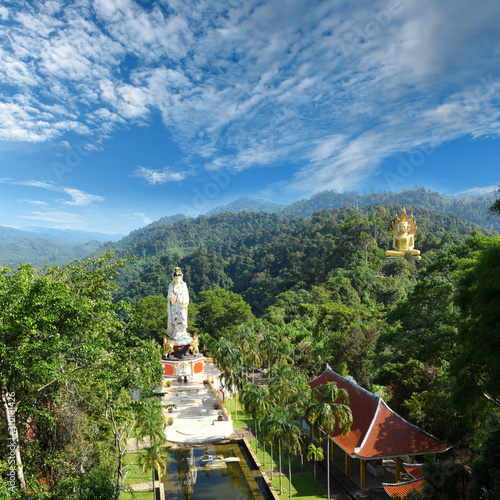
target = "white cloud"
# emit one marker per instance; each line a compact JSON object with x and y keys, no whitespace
{"x":35,"y":202}
{"x":142,"y":218}
{"x":332,"y":88}
{"x":482,"y":189}
{"x":78,"y":198}
{"x":60,"y":217}
{"x":152,"y":176}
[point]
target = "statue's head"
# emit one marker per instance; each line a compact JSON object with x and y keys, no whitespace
{"x":403,"y":227}
{"x":177,"y":272}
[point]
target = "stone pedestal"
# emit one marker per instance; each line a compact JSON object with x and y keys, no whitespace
{"x":183,"y":366}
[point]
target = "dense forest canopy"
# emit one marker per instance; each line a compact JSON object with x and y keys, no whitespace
{"x":283,"y":292}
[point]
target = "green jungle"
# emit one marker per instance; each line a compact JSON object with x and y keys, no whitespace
{"x":290,"y":291}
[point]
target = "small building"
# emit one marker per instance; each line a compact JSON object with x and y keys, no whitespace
{"x":377,"y":432}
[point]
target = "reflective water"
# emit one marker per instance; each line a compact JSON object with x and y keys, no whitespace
{"x":188,"y":479}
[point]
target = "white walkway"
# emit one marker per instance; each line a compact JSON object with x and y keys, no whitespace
{"x":195,"y":419}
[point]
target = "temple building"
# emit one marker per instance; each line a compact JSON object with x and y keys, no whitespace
{"x":377,"y":433}
{"x":416,"y":485}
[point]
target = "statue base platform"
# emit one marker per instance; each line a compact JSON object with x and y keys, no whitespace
{"x":414,"y":258}
{"x":186,"y":365}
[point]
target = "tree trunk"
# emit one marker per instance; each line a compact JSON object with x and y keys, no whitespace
{"x":328,"y":467}
{"x":289,"y":476}
{"x":154,"y":491}
{"x":256,"y":439}
{"x":279,"y":460}
{"x":11,"y":406}
{"x":119,"y":469}
{"x":272,"y":462}
{"x":264,"y":447}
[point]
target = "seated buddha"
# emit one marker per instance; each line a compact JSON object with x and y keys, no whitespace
{"x":403,"y":230}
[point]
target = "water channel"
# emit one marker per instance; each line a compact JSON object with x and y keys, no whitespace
{"x":230,"y":476}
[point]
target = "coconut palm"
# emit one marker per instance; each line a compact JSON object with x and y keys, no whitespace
{"x":154,"y":458}
{"x":316,"y":454}
{"x":325,"y":414}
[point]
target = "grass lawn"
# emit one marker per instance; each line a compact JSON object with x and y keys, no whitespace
{"x":137,"y":495}
{"x":303,"y":487}
{"x":136,"y":476}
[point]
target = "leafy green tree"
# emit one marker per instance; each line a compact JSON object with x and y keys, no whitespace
{"x":53,"y":325}
{"x":495,"y":206}
{"x":220,"y":312}
{"x":151,"y":317}
{"x":230,"y":359}
{"x":96,"y":485}
{"x":478,"y":364}
{"x":485,"y":470}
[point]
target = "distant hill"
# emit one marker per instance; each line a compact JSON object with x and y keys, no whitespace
{"x":247,"y":205}
{"x":40,"y":252}
{"x":471,"y":208}
{"x":40,"y":246}
{"x":72,"y":236}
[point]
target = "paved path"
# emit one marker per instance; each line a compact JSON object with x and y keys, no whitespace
{"x":195,"y":419}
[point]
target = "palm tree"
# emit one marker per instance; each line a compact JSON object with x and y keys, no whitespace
{"x":256,"y":402}
{"x":248,"y":339}
{"x":316,"y":454}
{"x":154,"y":458}
{"x":325,"y":414}
{"x":150,"y":422}
{"x":230,"y":360}
{"x":283,"y":425}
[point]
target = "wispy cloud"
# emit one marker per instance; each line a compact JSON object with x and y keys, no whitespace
{"x":142,"y":218}
{"x":35,"y":202}
{"x":482,"y":189}
{"x":332,"y":88}
{"x":152,"y":176}
{"x":78,"y":198}
{"x":61,"y":218}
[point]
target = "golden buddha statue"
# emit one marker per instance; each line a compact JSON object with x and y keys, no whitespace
{"x":403,"y":230}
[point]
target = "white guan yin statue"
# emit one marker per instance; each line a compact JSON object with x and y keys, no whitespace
{"x":178,"y":301}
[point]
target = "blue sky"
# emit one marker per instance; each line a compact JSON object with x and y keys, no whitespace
{"x":114,"y":113}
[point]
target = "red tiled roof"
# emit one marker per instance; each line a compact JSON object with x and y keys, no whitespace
{"x":376,"y":431}
{"x":400,"y":490}
{"x":415,"y":470}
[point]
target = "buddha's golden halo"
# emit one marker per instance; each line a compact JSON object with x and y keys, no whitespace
{"x":412,"y":227}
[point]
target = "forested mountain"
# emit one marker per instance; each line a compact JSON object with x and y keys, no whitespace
{"x":41,"y":246}
{"x":40,"y":252}
{"x":472,"y":208}
{"x":247,"y":205}
{"x":260,"y":255}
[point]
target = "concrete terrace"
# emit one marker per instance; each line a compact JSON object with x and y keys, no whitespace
{"x":195,"y":419}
